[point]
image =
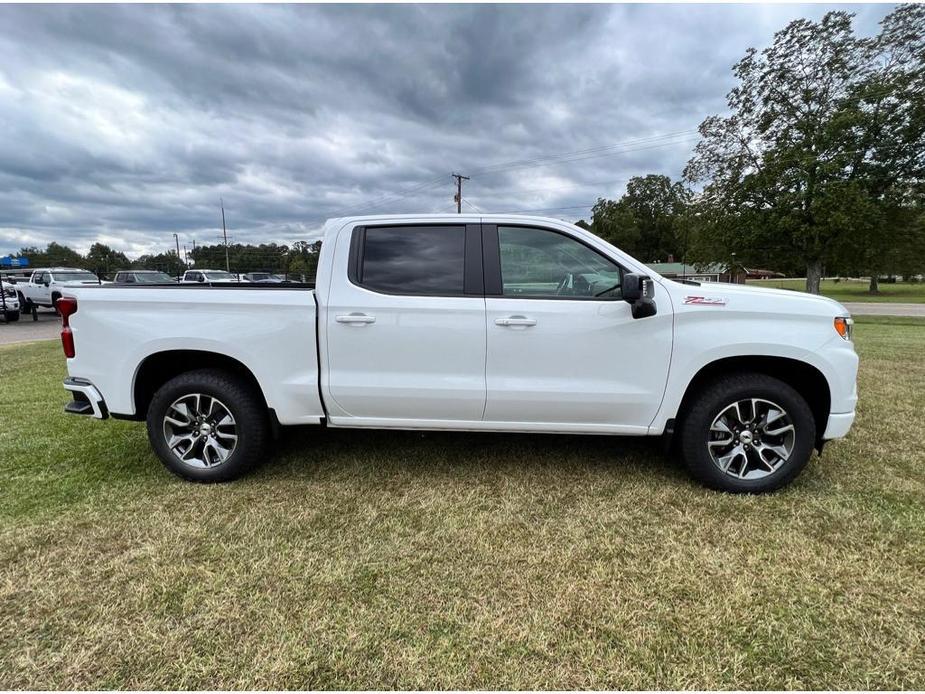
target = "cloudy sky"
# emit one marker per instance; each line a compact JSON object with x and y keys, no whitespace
{"x":126,"y":124}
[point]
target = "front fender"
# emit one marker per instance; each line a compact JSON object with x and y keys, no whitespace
{"x":705,"y":337}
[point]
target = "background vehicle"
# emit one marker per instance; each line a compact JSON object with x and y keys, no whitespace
{"x":10,"y":303}
{"x":46,"y":284}
{"x":208,"y":277}
{"x":142,"y":277}
{"x":267,"y":277}
{"x":494,"y":323}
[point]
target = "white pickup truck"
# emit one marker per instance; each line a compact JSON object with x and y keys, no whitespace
{"x":9,"y":302}
{"x":475,"y":323}
{"x":45,"y":285}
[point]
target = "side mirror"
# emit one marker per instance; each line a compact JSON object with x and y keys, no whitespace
{"x":639,"y":291}
{"x":200,"y":279}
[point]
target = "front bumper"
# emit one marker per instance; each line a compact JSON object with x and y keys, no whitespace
{"x":838,"y":425}
{"x":87,"y":399}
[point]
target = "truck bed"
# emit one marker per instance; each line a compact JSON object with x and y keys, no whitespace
{"x":268,"y":329}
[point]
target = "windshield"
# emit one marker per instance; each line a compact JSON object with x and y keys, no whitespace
{"x":153,"y":277}
{"x":75,"y":277}
{"x":218,"y":275}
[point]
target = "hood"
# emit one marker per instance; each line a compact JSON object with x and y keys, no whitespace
{"x":744,"y":297}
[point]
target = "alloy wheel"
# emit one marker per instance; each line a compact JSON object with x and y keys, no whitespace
{"x":751,"y":438}
{"x":200,"y":430}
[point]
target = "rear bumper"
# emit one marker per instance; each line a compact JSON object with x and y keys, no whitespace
{"x":87,"y":399}
{"x":838,"y":425}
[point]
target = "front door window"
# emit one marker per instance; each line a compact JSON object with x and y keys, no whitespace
{"x":543,"y":264}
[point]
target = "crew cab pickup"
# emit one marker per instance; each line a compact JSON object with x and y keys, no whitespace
{"x":45,"y":285}
{"x":474,"y":323}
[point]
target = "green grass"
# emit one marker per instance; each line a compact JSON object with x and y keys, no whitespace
{"x":855,"y":290}
{"x":380,"y":560}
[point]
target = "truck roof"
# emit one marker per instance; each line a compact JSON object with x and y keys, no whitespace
{"x":60,"y":269}
{"x":466,"y":218}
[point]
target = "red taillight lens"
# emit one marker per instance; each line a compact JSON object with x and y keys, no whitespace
{"x":67,"y":307}
{"x":67,"y":341}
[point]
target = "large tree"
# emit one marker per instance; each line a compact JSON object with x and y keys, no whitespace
{"x":54,"y":255}
{"x":646,"y":221}
{"x":165,"y":262}
{"x":103,"y":260}
{"x":822,"y":148}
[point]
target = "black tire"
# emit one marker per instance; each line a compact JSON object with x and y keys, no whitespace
{"x":11,"y":316}
{"x":706,"y":406}
{"x":241,"y":400}
{"x":54,"y":302}
{"x":25,"y":306}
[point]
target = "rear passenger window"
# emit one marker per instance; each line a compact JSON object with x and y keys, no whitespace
{"x":413,"y":260}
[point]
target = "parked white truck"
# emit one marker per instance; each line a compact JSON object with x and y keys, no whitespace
{"x":45,"y":285}
{"x":475,"y":323}
{"x":9,"y":302}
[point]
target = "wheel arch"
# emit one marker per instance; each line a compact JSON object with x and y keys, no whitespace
{"x":158,"y":368}
{"x":803,"y":377}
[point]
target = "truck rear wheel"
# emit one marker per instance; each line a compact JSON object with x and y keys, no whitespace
{"x":208,"y":426}
{"x":747,"y":433}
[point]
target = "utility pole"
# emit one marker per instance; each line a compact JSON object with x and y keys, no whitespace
{"x":225,"y":236}
{"x":458,"y":198}
{"x":177,"y":240}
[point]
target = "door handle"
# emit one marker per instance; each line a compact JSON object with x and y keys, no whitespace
{"x":515,"y":320}
{"x":355,"y":318}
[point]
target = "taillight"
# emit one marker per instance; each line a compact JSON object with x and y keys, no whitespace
{"x":67,"y":307}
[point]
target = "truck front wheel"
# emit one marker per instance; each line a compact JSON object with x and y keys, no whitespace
{"x":208,"y":426}
{"x":748,"y":433}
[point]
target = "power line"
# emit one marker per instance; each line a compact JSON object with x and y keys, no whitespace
{"x":638,"y":144}
{"x":474,"y":207}
{"x":625,"y":147}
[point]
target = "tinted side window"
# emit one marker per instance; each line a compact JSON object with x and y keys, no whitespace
{"x":414,"y":260}
{"x":542,"y":264}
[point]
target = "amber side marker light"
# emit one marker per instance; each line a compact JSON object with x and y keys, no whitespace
{"x":843,"y":327}
{"x":67,"y":307}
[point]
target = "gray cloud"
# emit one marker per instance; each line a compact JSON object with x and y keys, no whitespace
{"x":127,"y":123}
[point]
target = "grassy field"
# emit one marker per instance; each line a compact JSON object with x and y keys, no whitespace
{"x":380,"y":560}
{"x":855,"y":290}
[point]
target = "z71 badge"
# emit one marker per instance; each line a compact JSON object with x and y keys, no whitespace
{"x":705,"y":300}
